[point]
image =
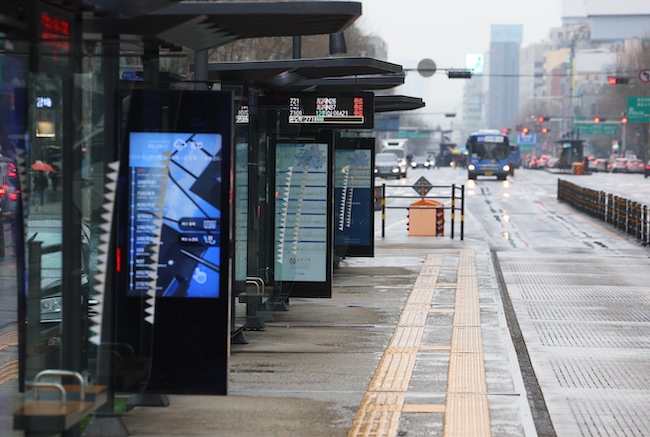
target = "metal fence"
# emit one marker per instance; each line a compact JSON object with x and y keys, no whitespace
{"x":624,"y":214}
{"x":456,"y":197}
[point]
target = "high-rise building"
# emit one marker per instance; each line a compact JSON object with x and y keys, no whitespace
{"x":503,"y":95}
{"x":474,"y":95}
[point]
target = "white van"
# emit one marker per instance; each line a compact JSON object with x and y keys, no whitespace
{"x":398,"y":146}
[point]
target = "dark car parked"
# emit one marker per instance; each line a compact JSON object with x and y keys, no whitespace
{"x":389,"y":165}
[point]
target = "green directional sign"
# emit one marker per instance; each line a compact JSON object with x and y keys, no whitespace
{"x":638,"y":109}
{"x":596,"y":128}
{"x":414,"y":134}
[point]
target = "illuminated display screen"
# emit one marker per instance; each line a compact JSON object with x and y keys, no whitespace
{"x":54,"y":28}
{"x":354,"y":197}
{"x":336,"y":110}
{"x":175,"y":214}
{"x":490,"y":139}
{"x":326,"y":110}
{"x":301,"y":219}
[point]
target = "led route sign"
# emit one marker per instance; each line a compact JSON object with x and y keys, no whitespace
{"x":326,"y":110}
{"x":334,"y":110}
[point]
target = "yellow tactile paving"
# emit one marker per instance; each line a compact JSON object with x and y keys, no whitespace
{"x":465,"y":410}
{"x":9,"y":339}
{"x":379,"y":414}
{"x":424,"y":408}
{"x":406,"y":336}
{"x":8,"y":371}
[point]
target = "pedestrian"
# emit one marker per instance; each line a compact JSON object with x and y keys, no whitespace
{"x":55,"y":178}
{"x":40,"y":185}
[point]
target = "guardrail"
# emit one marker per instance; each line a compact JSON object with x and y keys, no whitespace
{"x":624,"y":214}
{"x":457,"y":193}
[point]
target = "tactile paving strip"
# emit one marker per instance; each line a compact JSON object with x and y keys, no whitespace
{"x":382,"y":404}
{"x":466,"y":409}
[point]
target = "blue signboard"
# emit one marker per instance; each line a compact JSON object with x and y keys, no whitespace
{"x":530,"y":138}
{"x":354,"y":197}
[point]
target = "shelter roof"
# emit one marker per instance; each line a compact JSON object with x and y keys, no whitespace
{"x":310,"y":74}
{"x":394,"y":103}
{"x":203,"y":25}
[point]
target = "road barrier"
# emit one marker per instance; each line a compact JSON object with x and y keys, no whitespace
{"x":457,"y":193}
{"x":624,"y":214}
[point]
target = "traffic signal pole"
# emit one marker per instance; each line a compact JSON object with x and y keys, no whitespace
{"x":623,"y":135}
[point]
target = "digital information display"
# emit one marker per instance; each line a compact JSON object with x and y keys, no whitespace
{"x":354,"y":198}
{"x":241,"y":211}
{"x":182,"y":173}
{"x":333,"y":111}
{"x":301,"y":212}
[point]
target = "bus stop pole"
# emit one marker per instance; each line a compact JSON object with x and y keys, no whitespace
{"x":453,"y":208}
{"x":383,"y":210}
{"x":462,"y":212}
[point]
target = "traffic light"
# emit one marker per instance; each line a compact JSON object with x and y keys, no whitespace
{"x":624,"y":118}
{"x":459,"y":74}
{"x":505,"y":131}
{"x":545,"y":130}
{"x":618,"y":80}
{"x":524,"y":131}
{"x":541,"y":119}
{"x":599,"y":119}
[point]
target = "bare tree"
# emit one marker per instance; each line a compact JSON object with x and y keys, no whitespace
{"x":312,"y":46}
{"x":613,"y":100}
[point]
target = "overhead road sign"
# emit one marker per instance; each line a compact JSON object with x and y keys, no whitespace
{"x":638,"y":109}
{"x":414,"y":134}
{"x":591,"y":128}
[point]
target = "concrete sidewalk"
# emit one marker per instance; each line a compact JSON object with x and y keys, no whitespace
{"x":398,"y":350}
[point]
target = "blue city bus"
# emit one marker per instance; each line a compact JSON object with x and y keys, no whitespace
{"x":515,"y":156}
{"x":488,"y":154}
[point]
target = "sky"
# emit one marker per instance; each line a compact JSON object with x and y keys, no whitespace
{"x":444,"y":32}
